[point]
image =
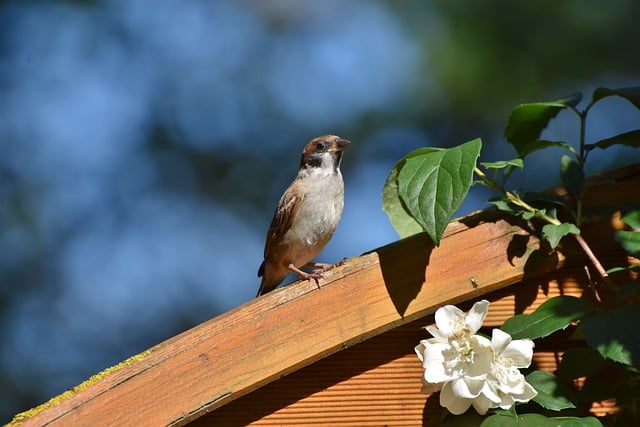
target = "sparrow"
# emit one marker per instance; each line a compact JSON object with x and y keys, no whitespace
{"x":306,"y":216}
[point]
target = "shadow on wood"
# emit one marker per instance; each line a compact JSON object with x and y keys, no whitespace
{"x":411,"y":266}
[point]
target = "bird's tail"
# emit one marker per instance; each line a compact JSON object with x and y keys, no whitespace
{"x":270,"y":279}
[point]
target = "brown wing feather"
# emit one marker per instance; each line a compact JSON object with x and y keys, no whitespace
{"x":281,"y":222}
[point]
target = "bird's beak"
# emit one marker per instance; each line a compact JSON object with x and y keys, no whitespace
{"x":340,"y":144}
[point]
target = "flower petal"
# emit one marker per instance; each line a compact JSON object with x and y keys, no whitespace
{"x":468,"y":387}
{"x":528,"y":394}
{"x":481,"y":404}
{"x":419,"y":349}
{"x":520,"y":352}
{"x":448,"y":319}
{"x":435,"y":370}
{"x":490,"y":392}
{"x":499,"y":340}
{"x":482,"y":357}
{"x":507,"y":401}
{"x":456,"y":405}
{"x":436,"y":333}
{"x":510,"y":380}
{"x":476,"y":316}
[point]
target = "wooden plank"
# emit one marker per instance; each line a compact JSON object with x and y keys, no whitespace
{"x":378,"y":382}
{"x":267,"y":338}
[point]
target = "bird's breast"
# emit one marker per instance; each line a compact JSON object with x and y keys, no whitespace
{"x":319,"y":212}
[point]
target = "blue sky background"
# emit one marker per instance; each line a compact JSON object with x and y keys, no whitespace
{"x":144,"y":145}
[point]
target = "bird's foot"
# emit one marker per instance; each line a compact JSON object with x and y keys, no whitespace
{"x":315,"y":274}
{"x":322,"y":267}
{"x":319,"y":267}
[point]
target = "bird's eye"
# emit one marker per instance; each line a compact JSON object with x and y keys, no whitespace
{"x":320,"y":146}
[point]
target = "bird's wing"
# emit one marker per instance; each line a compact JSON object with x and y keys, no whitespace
{"x":287,"y":209}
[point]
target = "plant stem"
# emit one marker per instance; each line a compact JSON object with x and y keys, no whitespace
{"x":594,"y":261}
{"x":581,"y":161}
{"x":516,"y":200}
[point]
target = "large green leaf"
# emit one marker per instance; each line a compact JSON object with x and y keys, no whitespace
{"x":504,"y":419}
{"x":553,"y":233}
{"x":541,"y":144}
{"x":630,"y":139}
{"x":400,"y":218}
{"x":632,"y":219}
{"x":629,"y":240}
{"x":553,"y":393}
{"x":554,"y":314}
{"x":631,"y":94}
{"x":527,"y":121}
{"x":613,"y":334}
{"x":432,"y":185}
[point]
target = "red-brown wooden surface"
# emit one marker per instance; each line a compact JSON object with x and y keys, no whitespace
{"x":245,"y":349}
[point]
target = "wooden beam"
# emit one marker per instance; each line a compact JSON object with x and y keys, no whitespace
{"x":269,"y":337}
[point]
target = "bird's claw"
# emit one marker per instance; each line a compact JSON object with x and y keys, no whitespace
{"x":314,"y":275}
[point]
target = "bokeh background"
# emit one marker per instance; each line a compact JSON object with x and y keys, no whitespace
{"x":144,"y":144}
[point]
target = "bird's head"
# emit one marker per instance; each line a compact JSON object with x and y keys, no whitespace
{"x":324,"y":152}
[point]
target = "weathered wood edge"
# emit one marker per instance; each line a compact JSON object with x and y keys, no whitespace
{"x":267,"y":338}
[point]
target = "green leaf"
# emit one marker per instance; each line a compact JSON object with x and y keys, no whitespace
{"x":632,"y":219}
{"x":503,"y":164}
{"x":504,"y":419}
{"x":629,"y":240}
{"x":553,"y":394}
{"x":433,"y":185}
{"x":526,"y":215}
{"x":393,"y":206}
{"x":631,"y":94}
{"x":537,"y":420}
{"x":580,"y":362}
{"x":554,"y":314}
{"x":574,"y":422}
{"x":630,"y":139}
{"x":503,"y":205}
{"x":553,"y":233}
{"x":527,"y":121}
{"x":619,"y":269}
{"x":538,"y":213}
{"x":540,"y":144}
{"x":613,"y":334}
{"x":572,"y":175}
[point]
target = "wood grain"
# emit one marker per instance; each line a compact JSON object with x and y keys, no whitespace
{"x":378,"y":382}
{"x":267,"y":338}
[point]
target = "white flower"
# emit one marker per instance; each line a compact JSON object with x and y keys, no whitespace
{"x":450,"y":320}
{"x":468,"y":369}
{"x":456,"y":361}
{"x":510,"y":355}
